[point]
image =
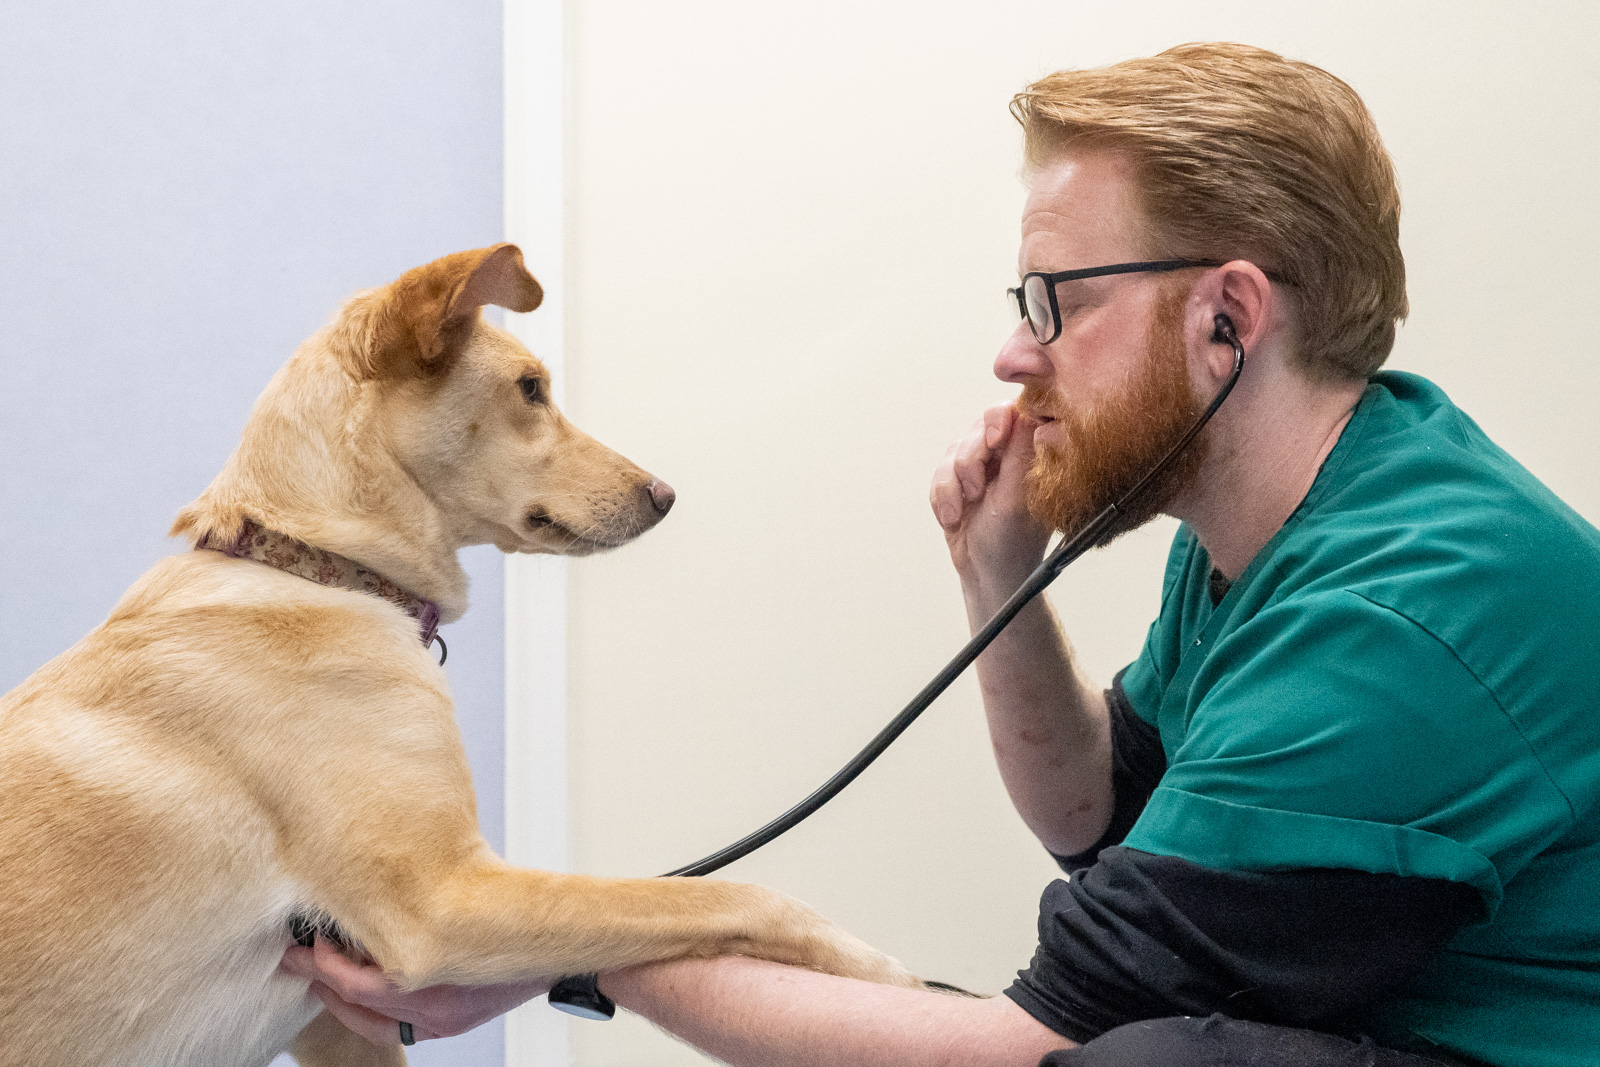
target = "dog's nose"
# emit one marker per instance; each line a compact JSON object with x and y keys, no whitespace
{"x":661,"y":495}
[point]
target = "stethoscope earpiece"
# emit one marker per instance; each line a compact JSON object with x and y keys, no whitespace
{"x":1223,"y":333}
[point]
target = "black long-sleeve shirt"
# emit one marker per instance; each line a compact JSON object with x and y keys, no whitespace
{"x":1134,"y":935}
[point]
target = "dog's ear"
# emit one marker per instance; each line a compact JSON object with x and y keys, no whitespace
{"x":425,"y":316}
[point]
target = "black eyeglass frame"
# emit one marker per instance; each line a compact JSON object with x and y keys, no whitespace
{"x":1053,"y":278}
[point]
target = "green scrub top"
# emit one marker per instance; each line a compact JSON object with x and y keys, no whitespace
{"x":1406,"y":680}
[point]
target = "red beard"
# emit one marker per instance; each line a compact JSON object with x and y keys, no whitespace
{"x":1110,"y":445}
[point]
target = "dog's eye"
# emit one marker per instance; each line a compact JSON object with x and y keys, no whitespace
{"x":532,"y":390}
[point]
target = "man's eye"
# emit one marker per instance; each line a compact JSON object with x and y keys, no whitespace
{"x":532,"y":390}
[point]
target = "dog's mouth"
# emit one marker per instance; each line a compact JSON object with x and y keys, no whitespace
{"x":541,"y":521}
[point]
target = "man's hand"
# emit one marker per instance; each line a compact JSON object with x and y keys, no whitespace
{"x":1048,"y":724}
{"x":363,"y":998}
{"x":978,"y":498}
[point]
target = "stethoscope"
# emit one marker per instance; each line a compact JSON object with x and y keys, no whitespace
{"x":580,"y":994}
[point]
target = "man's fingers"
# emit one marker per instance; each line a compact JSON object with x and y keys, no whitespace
{"x":378,"y":1029}
{"x":971,"y":463}
{"x":363,"y":998}
{"x":976,"y":453}
{"x":997,"y":422}
{"x":356,"y":983}
{"x":335,"y":980}
{"x":945,"y":494}
{"x":969,"y":466}
{"x":299,"y":961}
{"x":353,"y":981}
{"x":1018,"y":450}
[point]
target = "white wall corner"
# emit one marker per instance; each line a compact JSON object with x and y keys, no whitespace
{"x":536,"y":586}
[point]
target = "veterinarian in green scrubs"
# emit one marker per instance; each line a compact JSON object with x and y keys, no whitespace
{"x":1344,"y":808}
{"x":1397,"y":684}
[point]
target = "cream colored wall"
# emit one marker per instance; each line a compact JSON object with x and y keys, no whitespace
{"x":788,"y":232}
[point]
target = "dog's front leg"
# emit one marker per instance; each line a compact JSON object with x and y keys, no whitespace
{"x":388,"y":846}
{"x":487,"y":922}
{"x":327,"y":1042}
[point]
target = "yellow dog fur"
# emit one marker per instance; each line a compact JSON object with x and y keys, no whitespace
{"x":236,"y":745}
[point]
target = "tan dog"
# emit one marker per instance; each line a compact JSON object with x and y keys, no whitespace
{"x":238,"y":747}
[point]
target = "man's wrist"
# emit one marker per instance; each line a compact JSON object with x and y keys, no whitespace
{"x":606,"y":983}
{"x":625,"y":985}
{"x":985,"y":591}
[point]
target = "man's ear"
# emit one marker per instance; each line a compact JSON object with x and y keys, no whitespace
{"x":423,"y":318}
{"x":1240,"y":290}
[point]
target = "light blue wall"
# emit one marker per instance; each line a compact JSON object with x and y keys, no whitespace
{"x":188,"y":189}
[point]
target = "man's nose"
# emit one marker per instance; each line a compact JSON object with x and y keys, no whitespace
{"x":1022,"y":357}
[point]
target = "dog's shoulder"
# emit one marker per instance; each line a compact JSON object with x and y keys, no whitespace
{"x":202,"y":605}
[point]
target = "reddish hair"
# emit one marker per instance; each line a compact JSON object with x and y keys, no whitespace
{"x":1241,"y":153}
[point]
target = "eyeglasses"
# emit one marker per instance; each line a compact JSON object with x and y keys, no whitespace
{"x":1036,"y":296}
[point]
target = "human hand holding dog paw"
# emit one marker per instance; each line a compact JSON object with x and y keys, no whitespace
{"x":365,"y":999}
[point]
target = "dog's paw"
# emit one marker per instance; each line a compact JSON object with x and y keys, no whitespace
{"x":791,"y":932}
{"x":896,"y":974}
{"x":846,"y":955}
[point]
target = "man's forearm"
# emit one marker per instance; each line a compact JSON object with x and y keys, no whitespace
{"x":1049,"y":726}
{"x":752,"y":1013}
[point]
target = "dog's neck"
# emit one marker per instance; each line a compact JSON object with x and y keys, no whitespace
{"x":311,"y":465}
{"x":325,"y":568}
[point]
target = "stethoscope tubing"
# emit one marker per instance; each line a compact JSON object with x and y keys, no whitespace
{"x":583,"y":991}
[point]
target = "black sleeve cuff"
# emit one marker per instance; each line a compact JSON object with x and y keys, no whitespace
{"x":1137,"y":763}
{"x":1140,"y":936}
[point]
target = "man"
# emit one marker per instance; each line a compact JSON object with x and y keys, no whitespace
{"x":1342,"y":808}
